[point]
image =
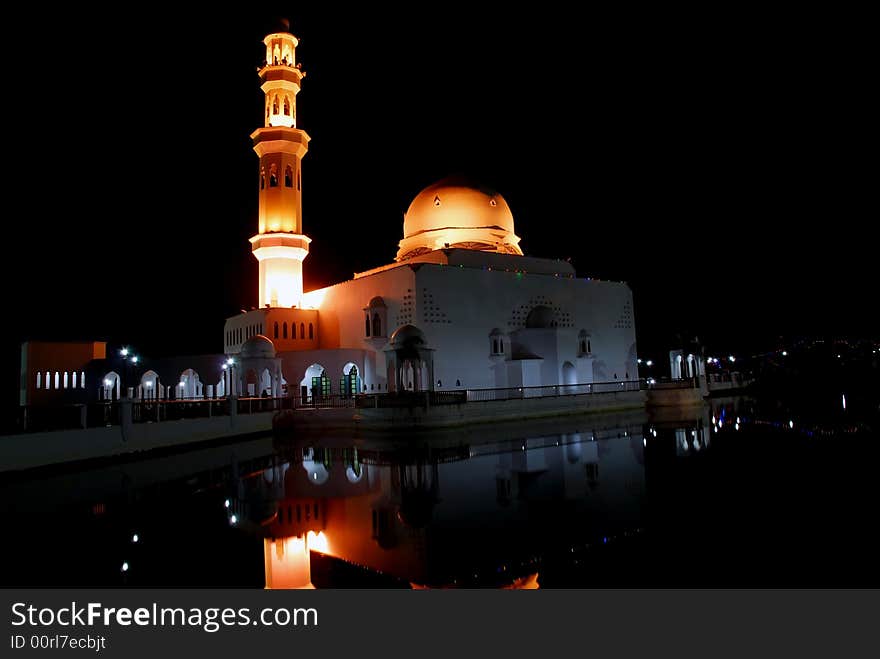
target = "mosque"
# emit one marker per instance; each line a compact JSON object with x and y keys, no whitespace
{"x":460,"y":307}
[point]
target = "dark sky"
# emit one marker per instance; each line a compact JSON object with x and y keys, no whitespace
{"x":719,"y":163}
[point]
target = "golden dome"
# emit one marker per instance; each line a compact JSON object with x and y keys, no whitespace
{"x":455,"y":212}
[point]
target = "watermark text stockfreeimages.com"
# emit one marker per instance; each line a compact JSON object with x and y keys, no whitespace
{"x":96,"y":616}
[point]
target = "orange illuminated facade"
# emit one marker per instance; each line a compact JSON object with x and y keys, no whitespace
{"x":280,"y":245}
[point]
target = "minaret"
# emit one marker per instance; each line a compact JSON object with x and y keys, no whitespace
{"x":279,"y":245}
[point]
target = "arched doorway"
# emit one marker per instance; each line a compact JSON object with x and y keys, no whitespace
{"x":250,"y":383}
{"x":315,"y":383}
{"x":350,"y":384}
{"x":265,"y":383}
{"x":189,"y":386}
{"x":110,"y":386}
{"x":150,"y":386}
{"x":569,"y":374}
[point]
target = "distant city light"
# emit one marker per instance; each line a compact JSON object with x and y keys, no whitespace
{"x":124,"y":352}
{"x":649,"y":363}
{"x":785,"y":353}
{"x":736,"y":426}
{"x":125,"y":566}
{"x":644,"y":442}
{"x":135,"y":538}
{"x":233,"y":519}
{"x":732,"y":358}
{"x":226,"y":503}
{"x":713,"y":419}
{"x":838,"y":356}
{"x":737,"y":419}
{"x":791,"y":424}
{"x":134,"y":360}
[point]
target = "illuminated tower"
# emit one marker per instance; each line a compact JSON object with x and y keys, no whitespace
{"x":280,"y":245}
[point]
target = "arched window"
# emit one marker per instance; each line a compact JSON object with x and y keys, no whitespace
{"x":276,"y":330}
{"x":65,"y":379}
{"x":57,"y":380}
{"x":39,"y":380}
{"x":48,"y":380}
{"x":366,"y":327}
{"x":82,"y":380}
{"x":284,"y":330}
{"x":297,"y":180}
{"x":589,"y":347}
{"x":286,"y":106}
{"x":262,"y":181}
{"x":495,"y":349}
{"x":73,"y":380}
{"x":302,"y":330}
{"x":273,"y":176}
{"x":275,"y":105}
{"x":288,"y":177}
{"x":311,"y":331}
{"x":377,"y":325}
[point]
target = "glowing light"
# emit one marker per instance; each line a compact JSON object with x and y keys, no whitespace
{"x":106,"y":383}
{"x":785,"y":353}
{"x":649,"y":363}
{"x":638,"y":361}
{"x":134,"y":359}
{"x":182,"y":384}
{"x":230,"y":361}
{"x":736,"y":426}
{"x":125,"y":566}
{"x":225,"y":366}
{"x":317,"y":542}
{"x":644,"y":442}
{"x":149,"y":384}
{"x":732,"y":358}
{"x":713,"y":419}
{"x":135,"y":538}
{"x":233,"y":519}
{"x":124,"y":352}
{"x":737,"y":419}
{"x":791,"y":424}
{"x":313,"y":299}
{"x":226,"y":503}
{"x":843,"y":400}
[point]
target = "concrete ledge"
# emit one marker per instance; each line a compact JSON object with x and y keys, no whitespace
{"x":675,"y":397}
{"x":439,"y":416}
{"x":39,"y":449}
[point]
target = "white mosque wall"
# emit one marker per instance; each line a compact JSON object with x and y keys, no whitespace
{"x":457,"y":308}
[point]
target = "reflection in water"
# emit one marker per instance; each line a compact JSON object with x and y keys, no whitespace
{"x":436,"y":515}
{"x":580,"y":501}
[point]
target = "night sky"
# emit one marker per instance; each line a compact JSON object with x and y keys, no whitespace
{"x":719,"y":163}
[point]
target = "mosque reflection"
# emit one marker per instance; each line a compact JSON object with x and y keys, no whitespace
{"x":467,"y":511}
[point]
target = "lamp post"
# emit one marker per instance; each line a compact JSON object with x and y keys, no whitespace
{"x":127,"y":360}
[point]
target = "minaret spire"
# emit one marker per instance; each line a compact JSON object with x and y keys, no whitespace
{"x":280,"y":245}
